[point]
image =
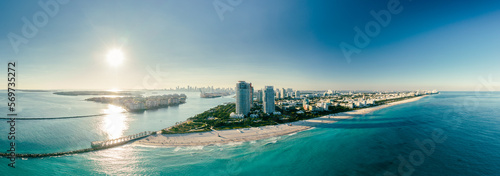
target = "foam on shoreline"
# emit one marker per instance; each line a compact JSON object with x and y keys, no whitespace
{"x":255,"y":133}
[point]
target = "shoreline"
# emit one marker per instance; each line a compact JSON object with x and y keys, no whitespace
{"x":255,"y":133}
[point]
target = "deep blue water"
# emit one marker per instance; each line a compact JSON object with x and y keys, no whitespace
{"x":460,"y":130}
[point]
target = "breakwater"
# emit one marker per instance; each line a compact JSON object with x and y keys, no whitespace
{"x":54,"y":118}
{"x":96,"y":145}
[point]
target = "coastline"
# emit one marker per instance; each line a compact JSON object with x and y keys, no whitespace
{"x":255,"y":133}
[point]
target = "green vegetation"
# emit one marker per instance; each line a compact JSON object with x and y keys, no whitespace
{"x":218,"y":118}
{"x":221,"y":111}
{"x":187,"y":127}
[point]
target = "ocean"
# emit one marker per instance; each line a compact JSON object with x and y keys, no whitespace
{"x":451,"y":133}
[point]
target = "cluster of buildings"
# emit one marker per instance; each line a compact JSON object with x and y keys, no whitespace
{"x":202,"y":89}
{"x":143,"y":103}
{"x":244,"y":99}
{"x":288,"y":99}
{"x":322,"y":101}
{"x":279,"y":93}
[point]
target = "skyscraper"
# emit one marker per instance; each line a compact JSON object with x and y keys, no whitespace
{"x":259,"y":96}
{"x":250,"y":94}
{"x":297,"y":94}
{"x":242,"y":98}
{"x":268,"y":100}
{"x":283,"y":93}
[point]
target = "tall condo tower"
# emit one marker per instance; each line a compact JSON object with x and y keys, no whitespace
{"x":268,"y":99}
{"x":250,"y":94}
{"x":259,"y":96}
{"x":242,"y":98}
{"x":282,"y":93}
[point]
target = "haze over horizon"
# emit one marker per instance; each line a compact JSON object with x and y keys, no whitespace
{"x":445,"y":45}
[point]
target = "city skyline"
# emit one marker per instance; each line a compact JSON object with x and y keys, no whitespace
{"x":288,"y":44}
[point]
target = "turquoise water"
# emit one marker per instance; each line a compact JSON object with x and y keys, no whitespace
{"x":372,"y":144}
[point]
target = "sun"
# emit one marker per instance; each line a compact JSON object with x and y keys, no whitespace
{"x":115,"y":57}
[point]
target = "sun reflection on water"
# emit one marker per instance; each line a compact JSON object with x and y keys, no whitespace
{"x":114,"y":122}
{"x":123,"y":160}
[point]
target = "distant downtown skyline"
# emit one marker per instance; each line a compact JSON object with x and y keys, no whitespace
{"x":305,"y":45}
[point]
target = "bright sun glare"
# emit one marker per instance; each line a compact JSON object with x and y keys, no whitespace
{"x":115,"y":122}
{"x":115,"y":57}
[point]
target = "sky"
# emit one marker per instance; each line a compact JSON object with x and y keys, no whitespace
{"x":443,"y":45}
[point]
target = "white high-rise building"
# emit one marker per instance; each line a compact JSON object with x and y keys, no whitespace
{"x":243,"y":98}
{"x":250,"y":94}
{"x":297,"y":94}
{"x":268,"y":100}
{"x":259,"y":96}
{"x":283,"y":93}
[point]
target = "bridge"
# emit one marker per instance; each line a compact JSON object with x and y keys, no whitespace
{"x":96,"y":145}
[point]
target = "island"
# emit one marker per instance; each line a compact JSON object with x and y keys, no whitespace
{"x":194,"y":132}
{"x":213,"y":94}
{"x":139,"y":103}
{"x":34,"y":90}
{"x":76,"y":93}
{"x":218,"y":126}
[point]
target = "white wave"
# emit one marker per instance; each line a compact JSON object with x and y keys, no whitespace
{"x":271,"y":140}
{"x":190,"y":148}
{"x":233,"y":143}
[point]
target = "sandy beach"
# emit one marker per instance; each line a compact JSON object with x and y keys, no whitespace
{"x":254,"y":133}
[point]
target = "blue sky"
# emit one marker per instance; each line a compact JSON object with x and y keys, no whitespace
{"x":444,"y":45}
